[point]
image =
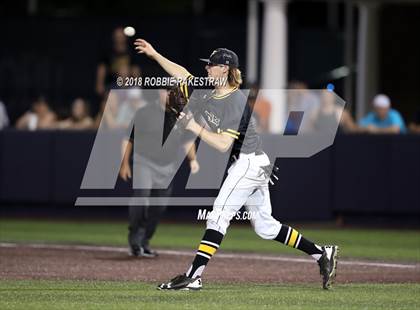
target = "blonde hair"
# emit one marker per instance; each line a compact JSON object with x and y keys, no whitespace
{"x":234,"y":77}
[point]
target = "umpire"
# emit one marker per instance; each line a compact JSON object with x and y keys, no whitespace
{"x":151,"y":167}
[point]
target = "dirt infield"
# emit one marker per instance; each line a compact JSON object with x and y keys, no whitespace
{"x":108,"y":263}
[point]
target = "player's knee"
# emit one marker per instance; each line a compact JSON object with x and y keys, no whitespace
{"x":211,"y":224}
{"x":267,"y":231}
{"x":218,"y":221}
{"x":264,"y":234}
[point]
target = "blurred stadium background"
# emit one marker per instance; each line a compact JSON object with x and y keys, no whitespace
{"x":55,"y":50}
{"x":362,"y":192}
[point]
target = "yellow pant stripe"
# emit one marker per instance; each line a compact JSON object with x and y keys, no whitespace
{"x":293,"y":238}
{"x":207,"y":249}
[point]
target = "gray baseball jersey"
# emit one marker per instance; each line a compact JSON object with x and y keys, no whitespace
{"x":229,"y":114}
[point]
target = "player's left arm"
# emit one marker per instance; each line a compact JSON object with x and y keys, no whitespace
{"x":219,"y":141}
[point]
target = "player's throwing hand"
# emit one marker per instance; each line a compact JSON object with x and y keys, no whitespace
{"x":144,"y":47}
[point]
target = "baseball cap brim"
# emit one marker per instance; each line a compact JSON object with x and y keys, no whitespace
{"x":205,"y":60}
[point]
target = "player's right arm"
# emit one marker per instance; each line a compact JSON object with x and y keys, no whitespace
{"x":126,"y":148}
{"x":173,"y":69}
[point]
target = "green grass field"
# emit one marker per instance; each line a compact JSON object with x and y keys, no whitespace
{"x":391,"y":245}
{"x":130,"y":295}
{"x":401,"y":245}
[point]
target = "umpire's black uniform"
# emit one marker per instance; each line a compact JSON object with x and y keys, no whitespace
{"x":151,"y":168}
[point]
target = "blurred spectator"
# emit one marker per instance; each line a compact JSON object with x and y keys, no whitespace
{"x":39,"y":117}
{"x":118,"y":109}
{"x":4,"y":119}
{"x":129,"y":107}
{"x":300,"y":98}
{"x":119,"y":62}
{"x":261,"y":108}
{"x":99,"y":115}
{"x":80,"y":118}
{"x":108,"y":112}
{"x":383,"y":119}
{"x":415,"y":125}
{"x":330,"y":114}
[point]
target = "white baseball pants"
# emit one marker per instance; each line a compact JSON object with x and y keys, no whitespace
{"x":246,"y":184}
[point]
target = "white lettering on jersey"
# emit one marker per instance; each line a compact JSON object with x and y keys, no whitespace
{"x":212,"y":118}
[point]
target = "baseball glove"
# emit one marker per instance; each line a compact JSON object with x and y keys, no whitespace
{"x":176,"y":101}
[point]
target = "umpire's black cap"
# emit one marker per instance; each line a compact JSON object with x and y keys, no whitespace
{"x":223,"y":56}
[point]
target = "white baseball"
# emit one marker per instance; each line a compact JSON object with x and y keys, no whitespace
{"x":129,"y":31}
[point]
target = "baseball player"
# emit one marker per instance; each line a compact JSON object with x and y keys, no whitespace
{"x":151,"y":168}
{"x":230,"y":126}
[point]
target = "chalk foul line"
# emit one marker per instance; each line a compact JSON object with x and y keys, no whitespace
{"x":191,"y":253}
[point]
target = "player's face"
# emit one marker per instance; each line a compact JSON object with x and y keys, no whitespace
{"x":216,"y":71}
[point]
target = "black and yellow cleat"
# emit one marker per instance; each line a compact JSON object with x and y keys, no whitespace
{"x":328,"y":265}
{"x":183,"y":283}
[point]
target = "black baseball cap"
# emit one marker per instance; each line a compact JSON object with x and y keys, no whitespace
{"x":223,"y":56}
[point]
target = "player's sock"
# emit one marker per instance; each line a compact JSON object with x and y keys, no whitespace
{"x":294,"y":239}
{"x":208,"y":246}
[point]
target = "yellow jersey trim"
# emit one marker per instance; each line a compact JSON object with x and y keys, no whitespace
{"x":225,"y":95}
